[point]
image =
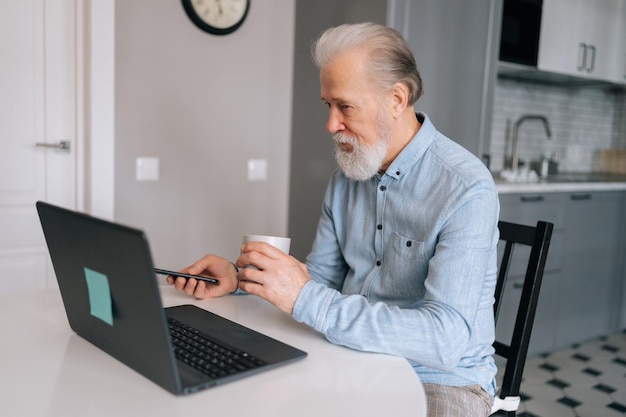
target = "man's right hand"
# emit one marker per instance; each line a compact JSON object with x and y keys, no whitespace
{"x":210,"y":265}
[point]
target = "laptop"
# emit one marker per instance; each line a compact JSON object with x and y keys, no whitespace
{"x":111,"y":297}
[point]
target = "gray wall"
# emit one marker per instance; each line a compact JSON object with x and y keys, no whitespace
{"x":204,"y":105}
{"x":455,"y":43}
{"x":311,"y":147}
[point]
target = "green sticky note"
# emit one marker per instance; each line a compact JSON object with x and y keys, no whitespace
{"x":100,"y":304}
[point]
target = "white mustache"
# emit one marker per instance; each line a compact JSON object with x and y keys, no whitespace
{"x":342,"y":138}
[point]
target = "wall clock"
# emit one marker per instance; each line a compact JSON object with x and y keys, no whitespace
{"x":218,"y":17}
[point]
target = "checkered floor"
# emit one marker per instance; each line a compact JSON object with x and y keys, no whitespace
{"x":587,"y":380}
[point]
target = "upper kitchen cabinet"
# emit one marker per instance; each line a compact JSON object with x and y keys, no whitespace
{"x":455,"y":43}
{"x":585,"y":39}
{"x":581,"y":38}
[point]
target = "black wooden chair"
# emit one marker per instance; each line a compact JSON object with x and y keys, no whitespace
{"x":514,"y":351}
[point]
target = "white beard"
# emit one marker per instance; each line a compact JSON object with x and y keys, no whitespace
{"x":365,"y":160}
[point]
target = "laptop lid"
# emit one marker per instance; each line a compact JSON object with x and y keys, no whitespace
{"x":111,"y":297}
{"x":109,"y":290}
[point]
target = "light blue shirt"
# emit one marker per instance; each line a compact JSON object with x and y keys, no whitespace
{"x":405,"y":263}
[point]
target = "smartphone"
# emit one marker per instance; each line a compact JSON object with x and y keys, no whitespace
{"x":180,"y":274}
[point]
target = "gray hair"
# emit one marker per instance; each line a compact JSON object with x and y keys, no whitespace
{"x":391,"y":60}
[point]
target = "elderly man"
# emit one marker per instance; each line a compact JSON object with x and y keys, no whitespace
{"x":404,"y":260}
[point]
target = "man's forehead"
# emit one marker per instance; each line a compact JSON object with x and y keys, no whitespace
{"x":342,"y":79}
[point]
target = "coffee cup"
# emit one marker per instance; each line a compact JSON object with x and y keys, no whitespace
{"x":282,"y":243}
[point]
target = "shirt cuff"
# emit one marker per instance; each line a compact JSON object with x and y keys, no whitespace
{"x":311,"y":306}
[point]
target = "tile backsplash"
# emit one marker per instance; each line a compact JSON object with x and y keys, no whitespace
{"x":583,"y":120}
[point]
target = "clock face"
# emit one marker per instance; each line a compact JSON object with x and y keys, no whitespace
{"x":218,"y":17}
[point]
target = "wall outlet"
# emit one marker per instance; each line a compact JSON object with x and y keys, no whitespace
{"x":257,"y":169}
{"x":147,"y":169}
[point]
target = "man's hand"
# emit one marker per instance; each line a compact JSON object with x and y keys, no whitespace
{"x":271,"y":274}
{"x":212,"y":266}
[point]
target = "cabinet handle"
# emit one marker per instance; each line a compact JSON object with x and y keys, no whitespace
{"x":531,"y":198}
{"x":580,"y":197}
{"x":591,"y":67}
{"x":582,"y":58}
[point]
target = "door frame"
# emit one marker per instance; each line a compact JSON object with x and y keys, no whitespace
{"x":95,"y":57}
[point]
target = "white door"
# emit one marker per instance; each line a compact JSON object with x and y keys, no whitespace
{"x":37,"y":111}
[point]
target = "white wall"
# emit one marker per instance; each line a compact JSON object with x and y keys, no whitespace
{"x":204,"y":105}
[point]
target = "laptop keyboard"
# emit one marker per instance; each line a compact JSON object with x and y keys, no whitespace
{"x":207,"y":356}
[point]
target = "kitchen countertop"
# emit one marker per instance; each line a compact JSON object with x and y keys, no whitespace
{"x":565,"y":182}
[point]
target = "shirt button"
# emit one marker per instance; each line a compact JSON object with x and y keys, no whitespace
{"x":383,"y":188}
{"x":409,"y":243}
{"x":397,"y":172}
{"x":380,"y":226}
{"x":378,"y":263}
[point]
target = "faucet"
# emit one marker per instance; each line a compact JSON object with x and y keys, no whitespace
{"x":546,"y":125}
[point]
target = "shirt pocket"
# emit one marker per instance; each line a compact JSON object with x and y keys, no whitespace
{"x":406,"y":248}
{"x":406,"y":266}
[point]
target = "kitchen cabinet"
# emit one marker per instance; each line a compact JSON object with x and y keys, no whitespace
{"x":528,"y":209}
{"x":590,"y":280}
{"x":543,"y":337}
{"x":578,"y":37}
{"x":582,"y":288}
{"x":622,"y":250}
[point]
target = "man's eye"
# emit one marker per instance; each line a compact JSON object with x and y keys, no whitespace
{"x":346,"y":109}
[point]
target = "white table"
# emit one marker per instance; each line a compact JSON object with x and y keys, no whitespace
{"x":47,"y":370}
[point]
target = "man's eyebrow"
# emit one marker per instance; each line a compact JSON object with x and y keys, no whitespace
{"x":334,"y":100}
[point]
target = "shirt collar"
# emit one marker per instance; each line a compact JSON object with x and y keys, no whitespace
{"x":415,"y":149}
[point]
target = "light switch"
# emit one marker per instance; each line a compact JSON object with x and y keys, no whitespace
{"x":257,"y":169}
{"x":147,"y":169}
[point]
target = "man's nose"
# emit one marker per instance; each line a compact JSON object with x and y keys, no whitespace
{"x":334,"y":123}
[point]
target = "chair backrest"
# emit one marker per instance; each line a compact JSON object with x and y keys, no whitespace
{"x":538,"y":239}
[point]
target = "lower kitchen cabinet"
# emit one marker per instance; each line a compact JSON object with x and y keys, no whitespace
{"x":581,"y":294}
{"x":528,"y":209}
{"x":622,"y":251}
{"x":590,"y":278}
{"x":544,"y":330}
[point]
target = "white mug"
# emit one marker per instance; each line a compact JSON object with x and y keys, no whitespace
{"x":282,"y":243}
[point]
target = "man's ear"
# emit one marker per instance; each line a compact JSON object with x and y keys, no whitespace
{"x":400,"y":97}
